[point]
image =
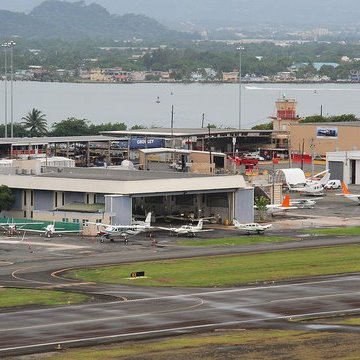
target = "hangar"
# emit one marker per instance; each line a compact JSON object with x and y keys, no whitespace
{"x":344,"y":166}
{"x":98,"y":194}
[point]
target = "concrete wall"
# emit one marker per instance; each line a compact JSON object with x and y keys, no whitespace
{"x":43,"y":200}
{"x":348,"y":138}
{"x":120,"y":207}
{"x":244,"y":205}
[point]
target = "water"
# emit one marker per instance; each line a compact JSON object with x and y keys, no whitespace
{"x":135,"y":104}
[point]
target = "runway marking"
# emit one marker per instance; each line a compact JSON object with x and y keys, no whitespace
{"x":176,"y":329}
{"x":316,"y":297}
{"x":28,"y":280}
{"x":47,"y":244}
{"x":6,"y":263}
{"x":200,"y":302}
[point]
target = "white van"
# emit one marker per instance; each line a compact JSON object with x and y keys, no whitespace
{"x":333,"y":184}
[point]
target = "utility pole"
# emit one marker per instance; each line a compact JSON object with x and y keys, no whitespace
{"x":210,"y":156}
{"x":240,"y":48}
{"x":12,"y":45}
{"x":312,"y":148}
{"x":203,"y":119}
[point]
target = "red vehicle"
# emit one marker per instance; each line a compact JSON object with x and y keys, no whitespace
{"x":244,"y":161}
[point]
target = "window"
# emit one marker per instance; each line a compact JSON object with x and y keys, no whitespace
{"x":32,"y":198}
{"x":84,"y":221}
{"x":32,"y":214}
{"x":56,"y":200}
{"x":25,"y":214}
{"x":63,"y":198}
{"x":76,"y":221}
{"x":24,"y":195}
{"x":65,"y":220}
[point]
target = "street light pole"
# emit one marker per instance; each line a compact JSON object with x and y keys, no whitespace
{"x":5,"y":46}
{"x":240,"y":48}
{"x":12,"y":45}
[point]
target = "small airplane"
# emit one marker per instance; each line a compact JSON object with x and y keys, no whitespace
{"x":110,"y":231}
{"x":50,"y":230}
{"x":251,"y":227}
{"x":188,"y":230}
{"x":303,"y":203}
{"x":346,"y":193}
{"x":284,"y":206}
{"x":14,"y":228}
{"x":313,"y":186}
{"x":311,"y":189}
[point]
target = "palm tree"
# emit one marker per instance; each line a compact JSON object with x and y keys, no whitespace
{"x":35,"y":122}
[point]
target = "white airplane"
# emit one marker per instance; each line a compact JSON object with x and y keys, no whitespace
{"x":14,"y":228}
{"x":313,"y":186}
{"x":346,"y":193}
{"x":188,"y":230}
{"x":110,"y":231}
{"x":251,"y":227}
{"x":277,"y":208}
{"x":50,"y":230}
{"x":303,"y":203}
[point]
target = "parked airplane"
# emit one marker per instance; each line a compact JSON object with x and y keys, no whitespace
{"x":251,"y":227}
{"x":51,"y":230}
{"x":315,"y":185}
{"x":110,"y":231}
{"x":284,"y":206}
{"x":311,"y":189}
{"x":346,"y":193}
{"x":303,"y":203}
{"x":12,"y":228}
{"x":188,"y":230}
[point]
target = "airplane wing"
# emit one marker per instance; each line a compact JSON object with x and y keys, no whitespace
{"x":33,"y":230}
{"x":67,"y":231}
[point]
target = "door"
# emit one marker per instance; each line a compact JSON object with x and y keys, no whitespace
{"x":336,"y":169}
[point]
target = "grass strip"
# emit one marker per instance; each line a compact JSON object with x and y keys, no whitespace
{"x":230,"y":270}
{"x":252,"y":344}
{"x":340,"y":231}
{"x":234,"y":241}
{"x":10,"y":297}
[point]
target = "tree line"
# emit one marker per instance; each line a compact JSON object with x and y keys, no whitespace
{"x":34,"y":123}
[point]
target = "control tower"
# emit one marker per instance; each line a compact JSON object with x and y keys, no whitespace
{"x":285,"y":114}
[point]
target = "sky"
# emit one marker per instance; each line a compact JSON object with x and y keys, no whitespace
{"x":277,"y":11}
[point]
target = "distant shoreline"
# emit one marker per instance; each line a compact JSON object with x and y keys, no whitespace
{"x":187,"y":82}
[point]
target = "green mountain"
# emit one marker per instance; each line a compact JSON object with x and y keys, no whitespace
{"x":69,"y":20}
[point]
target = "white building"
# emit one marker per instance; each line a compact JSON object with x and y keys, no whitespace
{"x":344,"y":166}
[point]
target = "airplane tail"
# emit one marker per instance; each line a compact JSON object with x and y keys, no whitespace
{"x":344,"y":188}
{"x":325,"y":179}
{"x":200,"y":224}
{"x":148,"y":220}
{"x":236,"y":223}
{"x":286,"y":201}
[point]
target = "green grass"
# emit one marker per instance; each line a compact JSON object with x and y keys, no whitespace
{"x":234,"y":241}
{"x":10,"y":297}
{"x":340,"y":231}
{"x":245,"y":345}
{"x":230,"y":270}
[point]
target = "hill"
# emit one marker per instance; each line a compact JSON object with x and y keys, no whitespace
{"x":67,"y":20}
{"x":237,"y":12}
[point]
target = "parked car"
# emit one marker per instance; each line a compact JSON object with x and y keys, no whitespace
{"x":333,"y":184}
{"x":253,"y":156}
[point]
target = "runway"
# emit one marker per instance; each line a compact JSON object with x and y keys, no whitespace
{"x":151,"y":314}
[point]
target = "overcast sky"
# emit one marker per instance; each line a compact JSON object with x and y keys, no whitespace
{"x":270,"y":11}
